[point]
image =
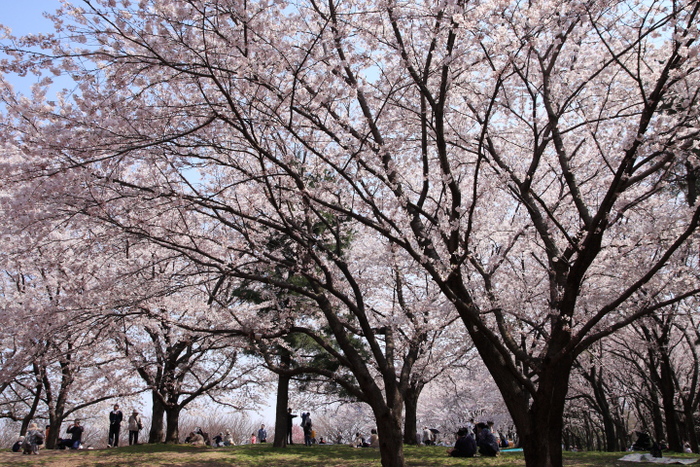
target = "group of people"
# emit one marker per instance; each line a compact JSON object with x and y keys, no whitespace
{"x":481,"y":437}
{"x":371,"y":442}
{"x":30,"y":443}
{"x":134,"y":425}
{"x":198,"y":437}
{"x":306,"y":425}
{"x":35,"y":438}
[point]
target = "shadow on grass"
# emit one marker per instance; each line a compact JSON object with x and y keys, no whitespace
{"x":293,"y":456}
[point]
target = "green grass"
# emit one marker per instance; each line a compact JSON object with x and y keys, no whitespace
{"x":292,"y":456}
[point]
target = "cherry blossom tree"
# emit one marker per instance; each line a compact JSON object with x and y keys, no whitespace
{"x":56,"y":361}
{"x":179,"y":367}
{"x":521,"y":155}
{"x":61,"y":367}
{"x":660,"y":353}
{"x":599,"y":399}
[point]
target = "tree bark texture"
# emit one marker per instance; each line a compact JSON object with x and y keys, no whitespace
{"x":281,"y":411}
{"x":156,"y":433}
{"x":172,"y":415}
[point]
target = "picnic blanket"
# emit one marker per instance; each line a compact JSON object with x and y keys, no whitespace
{"x":637,"y":457}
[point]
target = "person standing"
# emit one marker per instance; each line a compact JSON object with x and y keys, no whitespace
{"x":115,"y":422}
{"x":262,"y":434}
{"x":307,"y":427}
{"x":134,"y":425}
{"x":76,"y":434}
{"x":290,"y":418}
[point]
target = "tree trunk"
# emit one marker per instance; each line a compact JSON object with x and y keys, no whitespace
{"x":156,"y":434}
{"x":390,"y":437}
{"x":657,"y":417}
{"x":541,"y":442}
{"x":411,"y":417}
{"x":172,"y":415}
{"x":281,"y":412}
{"x":32,"y":410}
{"x":689,"y":426}
{"x":692,"y":180}
{"x":604,"y":409}
{"x":668,"y":393}
{"x":54,"y":433}
{"x":538,"y":417}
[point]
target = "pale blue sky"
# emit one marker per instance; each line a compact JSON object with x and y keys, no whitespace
{"x":25,"y":16}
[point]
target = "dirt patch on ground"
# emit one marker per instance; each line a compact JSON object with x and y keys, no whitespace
{"x":113,"y":458}
{"x":49,"y":458}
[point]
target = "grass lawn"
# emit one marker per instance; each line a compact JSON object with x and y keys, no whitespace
{"x":159,"y":455}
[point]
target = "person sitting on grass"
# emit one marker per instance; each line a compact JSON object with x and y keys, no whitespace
{"x":359,"y":441}
{"x":228,"y":439}
{"x":374,"y":439}
{"x":486,"y":441}
{"x":465,"y":446}
{"x":195,"y":439}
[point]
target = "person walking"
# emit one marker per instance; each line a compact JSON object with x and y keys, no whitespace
{"x":134,"y":425}
{"x":115,"y":422}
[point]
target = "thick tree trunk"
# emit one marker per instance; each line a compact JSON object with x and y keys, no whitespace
{"x":281,"y":412}
{"x":535,"y":402}
{"x":538,"y":417}
{"x":411,"y":417}
{"x":157,"y":433}
{"x":54,"y":434}
{"x":542,"y":439}
{"x":172,"y":415}
{"x":668,"y":396}
{"x":390,"y":437}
